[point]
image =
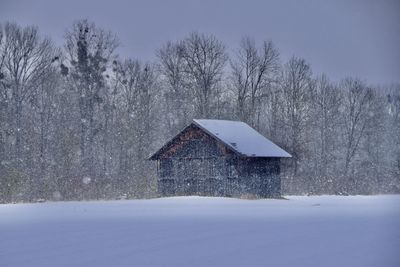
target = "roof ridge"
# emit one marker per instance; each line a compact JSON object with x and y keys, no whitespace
{"x":249,"y":135}
{"x":237,"y":136}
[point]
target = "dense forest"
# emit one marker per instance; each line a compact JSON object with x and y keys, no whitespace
{"x":79,"y":122}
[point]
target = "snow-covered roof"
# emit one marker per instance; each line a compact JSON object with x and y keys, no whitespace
{"x":241,"y":138}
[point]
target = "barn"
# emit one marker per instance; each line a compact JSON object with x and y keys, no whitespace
{"x":219,"y":158}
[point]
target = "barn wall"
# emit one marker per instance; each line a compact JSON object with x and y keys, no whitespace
{"x":263,"y":176}
{"x":259,"y":177}
{"x":197,"y":166}
{"x":219,"y":177}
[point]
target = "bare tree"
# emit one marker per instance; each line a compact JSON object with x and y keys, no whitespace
{"x":355,"y":115}
{"x":253,"y":72}
{"x":177,"y":94}
{"x":297,"y":86}
{"x":89,"y":51}
{"x":205,"y":59}
{"x":137,"y":91}
{"x":326,"y":100}
{"x":45,"y":106}
{"x":25,"y":59}
{"x":374,"y":152}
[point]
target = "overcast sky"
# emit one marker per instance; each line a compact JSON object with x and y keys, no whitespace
{"x":340,"y":38}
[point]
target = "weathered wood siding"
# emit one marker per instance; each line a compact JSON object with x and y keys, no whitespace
{"x":197,"y":164}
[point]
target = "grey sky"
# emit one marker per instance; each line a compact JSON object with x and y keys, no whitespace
{"x":340,"y":38}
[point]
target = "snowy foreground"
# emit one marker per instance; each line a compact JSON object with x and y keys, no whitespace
{"x":195,"y":231}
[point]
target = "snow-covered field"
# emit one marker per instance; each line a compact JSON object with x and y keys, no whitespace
{"x":195,"y":231}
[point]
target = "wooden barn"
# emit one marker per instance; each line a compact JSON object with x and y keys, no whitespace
{"x":219,"y":158}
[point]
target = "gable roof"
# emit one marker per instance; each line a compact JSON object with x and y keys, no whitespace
{"x":241,"y":138}
{"x":237,"y":136}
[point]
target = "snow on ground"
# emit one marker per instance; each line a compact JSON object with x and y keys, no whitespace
{"x":195,"y":231}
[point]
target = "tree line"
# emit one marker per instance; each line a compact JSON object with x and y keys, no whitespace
{"x":79,"y":121}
